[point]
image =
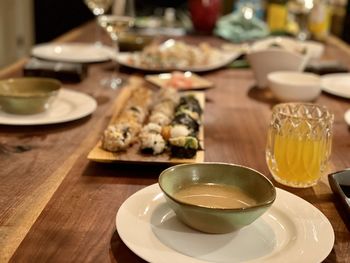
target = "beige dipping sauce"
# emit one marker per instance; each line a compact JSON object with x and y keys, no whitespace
{"x":214,"y":196}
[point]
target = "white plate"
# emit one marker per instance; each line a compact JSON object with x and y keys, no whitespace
{"x":291,"y":229}
{"x":73,"y":52}
{"x":337,"y":84}
{"x":225,"y":59}
{"x":347,"y":117}
{"x":69,"y":105}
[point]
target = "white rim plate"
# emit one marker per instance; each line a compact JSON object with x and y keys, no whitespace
{"x":347,"y":117}
{"x":225,"y":59}
{"x":68,"y":106}
{"x":337,"y":84}
{"x":291,"y":229}
{"x":73,"y":52}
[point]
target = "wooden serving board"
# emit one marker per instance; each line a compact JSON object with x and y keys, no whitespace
{"x":133,"y":153}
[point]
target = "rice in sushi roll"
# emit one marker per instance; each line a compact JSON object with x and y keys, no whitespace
{"x":152,"y":143}
{"x":117,"y":137}
{"x":160,"y":118}
{"x":187,"y":121}
{"x":151,"y":128}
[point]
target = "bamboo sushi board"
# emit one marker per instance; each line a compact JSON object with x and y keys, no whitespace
{"x":133,"y":154}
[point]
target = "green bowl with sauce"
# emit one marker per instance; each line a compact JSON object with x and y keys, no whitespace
{"x":28,"y":95}
{"x":216,"y":197}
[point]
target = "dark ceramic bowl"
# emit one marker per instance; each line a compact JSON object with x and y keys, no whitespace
{"x":28,"y":95}
{"x":129,"y":41}
{"x":212,"y":219}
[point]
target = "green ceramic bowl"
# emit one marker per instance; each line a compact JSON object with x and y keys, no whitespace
{"x":27,"y":95}
{"x":212,"y":219}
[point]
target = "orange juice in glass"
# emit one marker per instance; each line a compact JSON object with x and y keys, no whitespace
{"x":299,"y":143}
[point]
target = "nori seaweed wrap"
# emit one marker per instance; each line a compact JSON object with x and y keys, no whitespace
{"x":184,"y":147}
{"x":186,"y":120}
{"x":191,"y":103}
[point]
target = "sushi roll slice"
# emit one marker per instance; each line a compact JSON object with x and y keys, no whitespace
{"x":191,"y":103}
{"x":152,"y":143}
{"x":184,"y":110}
{"x":151,"y":128}
{"x":186,"y":120}
{"x":160,"y":119}
{"x":167,"y":107}
{"x":179,"y":130}
{"x":184,"y":146}
{"x":168,"y":94}
{"x":117,"y":137}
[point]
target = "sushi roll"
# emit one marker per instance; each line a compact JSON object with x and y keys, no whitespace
{"x":187,"y":121}
{"x":191,"y":103}
{"x":152,"y":143}
{"x":184,"y":110}
{"x":167,"y":107}
{"x":168,"y":94}
{"x":160,"y":118}
{"x":117,"y":137}
{"x":184,"y":146}
{"x":133,"y":113}
{"x":179,"y":130}
{"x":151,"y":128}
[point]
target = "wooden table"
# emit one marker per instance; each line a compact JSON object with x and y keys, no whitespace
{"x":56,"y":206}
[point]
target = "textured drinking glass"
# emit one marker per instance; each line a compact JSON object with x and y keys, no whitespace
{"x":299,"y":143}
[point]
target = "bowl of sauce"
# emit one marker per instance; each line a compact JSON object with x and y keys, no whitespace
{"x":216,"y":197}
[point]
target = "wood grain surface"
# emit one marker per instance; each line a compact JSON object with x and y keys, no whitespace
{"x":57,"y":206}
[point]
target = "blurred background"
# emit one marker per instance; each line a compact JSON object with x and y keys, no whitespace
{"x":24,"y":23}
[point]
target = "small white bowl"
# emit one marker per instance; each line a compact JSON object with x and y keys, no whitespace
{"x":266,"y":61}
{"x":290,"y":86}
{"x":314,"y":49}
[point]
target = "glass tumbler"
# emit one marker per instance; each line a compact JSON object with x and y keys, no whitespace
{"x":299,"y":143}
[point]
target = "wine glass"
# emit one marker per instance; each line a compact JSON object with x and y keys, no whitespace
{"x":300,"y":10}
{"x":98,"y":7}
{"x":114,"y":25}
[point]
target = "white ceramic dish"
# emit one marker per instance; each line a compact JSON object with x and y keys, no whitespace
{"x":73,"y":52}
{"x":347,"y":117}
{"x":225,"y":59}
{"x":266,"y":61}
{"x":70,"y":105}
{"x":291,"y":229}
{"x":337,"y":84}
{"x":290,"y":86}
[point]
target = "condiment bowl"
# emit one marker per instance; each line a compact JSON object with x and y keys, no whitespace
{"x":27,"y":95}
{"x":288,"y":86}
{"x":220,"y":181}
